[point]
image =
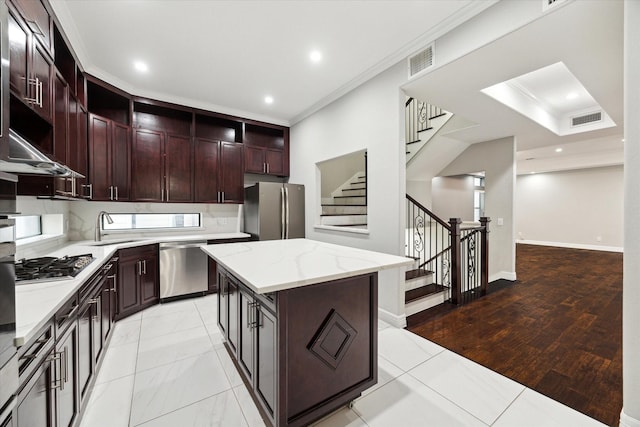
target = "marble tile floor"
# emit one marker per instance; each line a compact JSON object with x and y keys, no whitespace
{"x":167,"y":367}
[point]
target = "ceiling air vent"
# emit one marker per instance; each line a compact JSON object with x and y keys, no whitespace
{"x":421,"y":61}
{"x":548,"y":4}
{"x":586,"y":119}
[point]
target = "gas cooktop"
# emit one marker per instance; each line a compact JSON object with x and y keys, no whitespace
{"x":42,"y":269}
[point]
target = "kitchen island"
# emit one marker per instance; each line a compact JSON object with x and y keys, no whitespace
{"x":300,"y":322}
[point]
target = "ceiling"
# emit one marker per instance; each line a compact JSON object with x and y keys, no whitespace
{"x":587,"y":37}
{"x":227,"y":56}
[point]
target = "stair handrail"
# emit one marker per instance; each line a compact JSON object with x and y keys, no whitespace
{"x":431,"y":214}
{"x":465,"y":270}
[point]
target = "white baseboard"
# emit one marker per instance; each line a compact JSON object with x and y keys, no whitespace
{"x":507,"y":275}
{"x":399,"y":321}
{"x":627,"y":421}
{"x":573,"y":245}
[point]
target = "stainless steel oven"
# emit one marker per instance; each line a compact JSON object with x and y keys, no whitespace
{"x":8,"y":357}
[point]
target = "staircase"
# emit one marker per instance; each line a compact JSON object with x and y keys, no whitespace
{"x":347,"y":206}
{"x":451,"y":261}
{"x":422,"y":122}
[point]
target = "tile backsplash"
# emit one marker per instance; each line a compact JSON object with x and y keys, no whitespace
{"x":78,"y":219}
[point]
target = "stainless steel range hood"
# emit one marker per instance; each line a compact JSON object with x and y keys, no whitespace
{"x":24,"y":158}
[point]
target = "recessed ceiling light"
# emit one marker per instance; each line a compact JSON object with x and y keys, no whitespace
{"x":532,"y":173}
{"x":141,"y":66}
{"x":572,"y":95}
{"x":622,"y":140}
{"x":268,"y":99}
{"x":558,"y":150}
{"x":315,"y":56}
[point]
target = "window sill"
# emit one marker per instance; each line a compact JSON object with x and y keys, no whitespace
{"x":38,"y":239}
{"x":343,"y":229}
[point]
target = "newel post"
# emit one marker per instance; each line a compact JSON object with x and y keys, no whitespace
{"x":484,"y":254}
{"x":456,"y":261}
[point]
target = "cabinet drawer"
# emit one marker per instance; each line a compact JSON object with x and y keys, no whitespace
{"x":31,"y":354}
{"x":66,"y":316}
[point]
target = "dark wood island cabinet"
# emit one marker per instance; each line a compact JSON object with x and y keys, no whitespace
{"x":300,"y":322}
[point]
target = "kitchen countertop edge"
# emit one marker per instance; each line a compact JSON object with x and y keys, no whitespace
{"x":59,"y":291}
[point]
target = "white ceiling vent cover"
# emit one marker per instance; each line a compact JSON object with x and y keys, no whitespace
{"x":586,"y":119}
{"x":421,"y":61}
{"x":548,"y":4}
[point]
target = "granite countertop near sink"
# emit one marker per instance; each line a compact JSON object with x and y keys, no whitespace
{"x":276,"y":265}
{"x":36,"y":303}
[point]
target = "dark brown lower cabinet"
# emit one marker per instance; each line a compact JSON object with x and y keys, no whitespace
{"x":35,"y":400}
{"x":66,"y":379}
{"x":302,"y":352}
{"x":213,"y":266}
{"x":137,"y":286}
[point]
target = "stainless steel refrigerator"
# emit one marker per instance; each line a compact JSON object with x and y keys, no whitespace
{"x":274,"y":211}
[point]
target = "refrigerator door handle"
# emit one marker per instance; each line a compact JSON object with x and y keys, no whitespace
{"x":286,"y":194}
{"x":282,"y":215}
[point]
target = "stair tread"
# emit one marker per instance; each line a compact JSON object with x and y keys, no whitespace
{"x":422,"y":292}
{"x":343,"y":205}
{"x":345,"y":197}
{"x":347,"y":225}
{"x":413,"y":142}
{"x":425,"y":129}
{"x":437,"y":115}
{"x":414,"y":274}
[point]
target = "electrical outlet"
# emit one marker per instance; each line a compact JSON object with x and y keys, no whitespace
{"x":598,"y":238}
{"x":500,"y":221}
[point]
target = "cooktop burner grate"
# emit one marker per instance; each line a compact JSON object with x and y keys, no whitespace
{"x":50,"y":268}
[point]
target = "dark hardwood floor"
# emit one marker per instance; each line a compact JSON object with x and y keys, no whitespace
{"x":557,"y":330}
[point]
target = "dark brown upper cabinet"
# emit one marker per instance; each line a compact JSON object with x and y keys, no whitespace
{"x":30,"y":67}
{"x":218,"y":175}
{"x":109,"y":155}
{"x":37,"y":17}
{"x":266,"y":150}
{"x":162,"y":155}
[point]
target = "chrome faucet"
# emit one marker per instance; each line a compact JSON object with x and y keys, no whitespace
{"x":98,"y":234}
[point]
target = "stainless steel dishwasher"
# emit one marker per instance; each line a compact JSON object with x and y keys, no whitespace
{"x":183,"y":269}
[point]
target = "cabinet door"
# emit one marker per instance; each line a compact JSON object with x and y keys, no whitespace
{"x":254,"y":161}
{"x":66,"y":394}
{"x":84,"y":349}
{"x":120,"y":161}
{"x":232,"y":172}
{"x":39,"y":18}
{"x":35,"y":401}
{"x":212,"y":267}
{"x":266,"y":358}
{"x":247,"y":316}
{"x":205,"y":173}
{"x":99,"y":157}
{"x":107,"y":314}
{"x":127,"y":287}
{"x":18,"y":55}
{"x":149,"y":286}
{"x":178,"y":169}
{"x":42,"y":69}
{"x":232,"y":311}
{"x":83,"y":148}
{"x":61,"y":119}
{"x":223,"y":304}
{"x":275,"y":162}
{"x":96,"y":326}
{"x":147,"y":166}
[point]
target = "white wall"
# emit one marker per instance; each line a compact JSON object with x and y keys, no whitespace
{"x":420,"y":191}
{"x":578,"y":208}
{"x":370,"y":117}
{"x":336,"y":172}
{"x":497,"y":159}
{"x":452,"y":197}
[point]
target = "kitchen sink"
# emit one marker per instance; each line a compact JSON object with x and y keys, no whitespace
{"x":112,"y":242}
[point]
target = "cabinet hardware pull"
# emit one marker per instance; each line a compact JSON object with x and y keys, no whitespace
{"x":222,"y":197}
{"x":32,"y":83}
{"x":267,"y":167}
{"x":111,"y":192}
{"x":116,"y":187}
{"x":71,"y":313}
{"x":264,"y":168}
{"x":90,"y":188}
{"x":93,"y":301}
{"x":249,"y":312}
{"x":65,"y":368}
{"x":39,"y":89}
{"x":144,"y":265}
{"x":139,"y":267}
{"x":260,"y":321}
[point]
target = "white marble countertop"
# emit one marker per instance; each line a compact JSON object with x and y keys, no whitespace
{"x":36,"y":303}
{"x":276,"y":265}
